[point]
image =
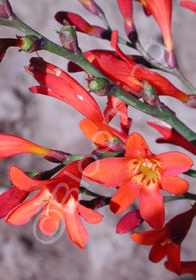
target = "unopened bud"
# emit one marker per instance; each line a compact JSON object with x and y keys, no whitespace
{"x":150,"y":95}
{"x":68,"y":38}
{"x":98,"y":86}
{"x":92,"y":7}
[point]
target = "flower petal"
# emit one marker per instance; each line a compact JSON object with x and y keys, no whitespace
{"x":129,"y":221}
{"x":173,"y":163}
{"x":152,"y":206}
{"x":158,"y":252}
{"x":89,"y":215}
{"x":148,"y":237}
{"x":51,"y":217}
{"x":26,"y":210}
{"x":75,"y":228}
{"x":124,"y":197}
{"x":189,"y":4}
{"x":10,"y":199}
{"x":136,"y":147}
{"x":173,"y":256}
{"x":111,"y":172}
{"x":11,"y":145}
{"x":174,"y":185}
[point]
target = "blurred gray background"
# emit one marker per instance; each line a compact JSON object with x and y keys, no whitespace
{"x":25,"y":254}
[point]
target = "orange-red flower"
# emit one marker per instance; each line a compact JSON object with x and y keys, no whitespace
{"x":167,"y":241}
{"x":140,"y":173}
{"x":129,"y":75}
{"x":170,"y":135}
{"x":189,"y":4}
{"x":162,"y":12}
{"x":57,"y":83}
{"x":126,"y":8}
{"x":82,"y":25}
{"x":58,"y":197}
{"x":11,"y":145}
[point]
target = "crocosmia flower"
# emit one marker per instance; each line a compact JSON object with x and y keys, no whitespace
{"x":167,"y":241}
{"x":58,"y":197}
{"x":162,"y":12}
{"x":140,"y":173}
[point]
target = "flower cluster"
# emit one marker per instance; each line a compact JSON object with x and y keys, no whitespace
{"x":121,"y":158}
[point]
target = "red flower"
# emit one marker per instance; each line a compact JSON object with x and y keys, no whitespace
{"x":126,"y":8}
{"x":167,"y":241}
{"x":128,"y":74}
{"x":59,"y":198}
{"x":11,"y":145}
{"x":189,"y":4}
{"x":56,"y":83}
{"x":162,"y":12}
{"x":140,"y":173}
{"x":82,"y":25}
{"x":170,"y":135}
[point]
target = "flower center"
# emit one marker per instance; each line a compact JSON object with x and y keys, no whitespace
{"x":146,"y":170}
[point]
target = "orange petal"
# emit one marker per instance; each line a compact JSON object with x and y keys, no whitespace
{"x":111,"y":172}
{"x":124,"y":197}
{"x":51,"y":217}
{"x":148,"y":237}
{"x":11,"y":145}
{"x":29,"y":208}
{"x":152,"y":206}
{"x":92,"y":132}
{"x":75,"y":229}
{"x":136,"y":147}
{"x":89,"y":215}
{"x":174,"y":185}
{"x":10,"y":199}
{"x":173,"y":163}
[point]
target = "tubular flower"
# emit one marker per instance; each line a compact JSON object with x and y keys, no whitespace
{"x":57,"y":83}
{"x":189,"y":4}
{"x":140,"y":173}
{"x":58,"y":197}
{"x":129,"y":75}
{"x":167,"y":241}
{"x":11,"y":145}
{"x":126,"y":8}
{"x":162,"y":12}
{"x":170,"y":135}
{"x":82,"y":25}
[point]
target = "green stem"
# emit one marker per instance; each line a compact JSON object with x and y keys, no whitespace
{"x":187,"y":195}
{"x":79,"y":59}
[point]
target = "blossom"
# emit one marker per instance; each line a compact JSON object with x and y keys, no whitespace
{"x":11,"y":145}
{"x":167,"y":241}
{"x":162,"y":12}
{"x":140,"y":173}
{"x":128,"y":74}
{"x":57,"y":83}
{"x":170,"y":135}
{"x":189,"y":4}
{"x":82,"y":25}
{"x":58,"y":197}
{"x":126,"y":8}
